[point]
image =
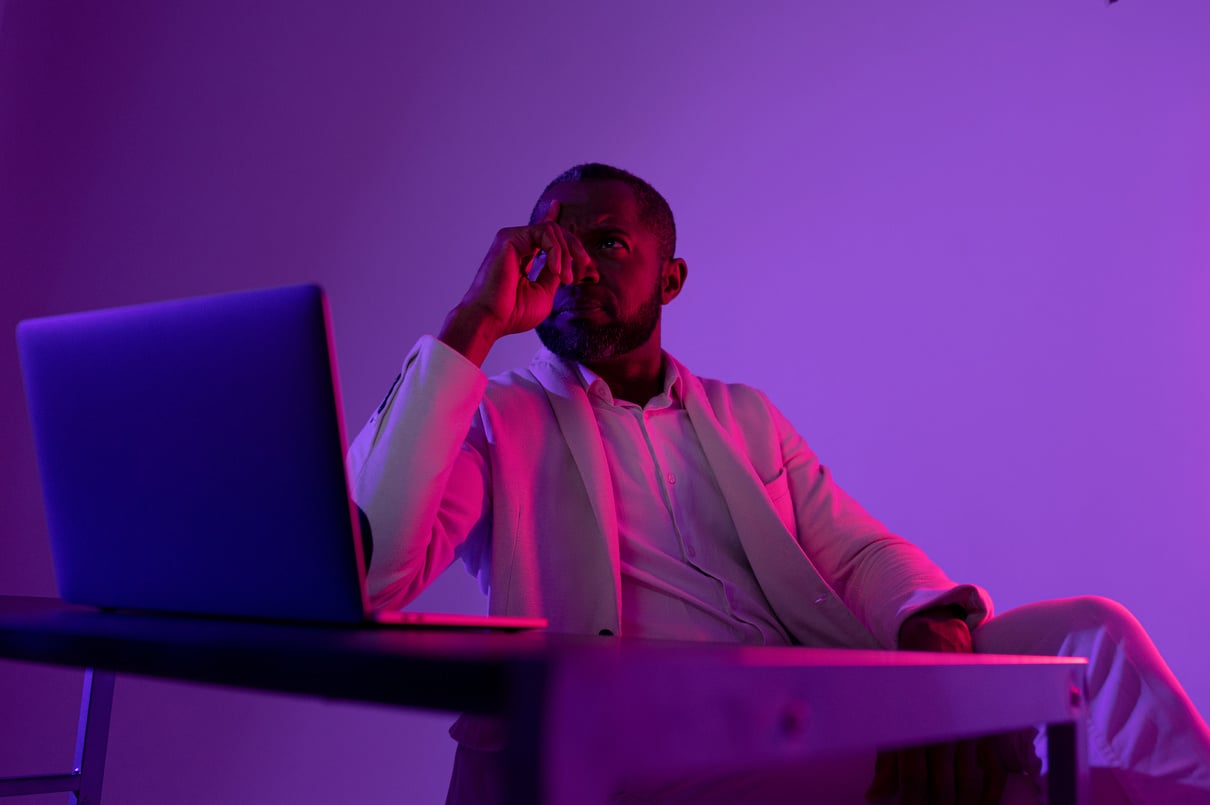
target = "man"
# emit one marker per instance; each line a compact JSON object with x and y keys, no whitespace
{"x":613,"y":492}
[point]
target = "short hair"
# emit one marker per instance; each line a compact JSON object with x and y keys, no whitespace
{"x":654,"y":212}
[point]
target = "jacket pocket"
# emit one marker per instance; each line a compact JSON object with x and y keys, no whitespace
{"x":778,"y":493}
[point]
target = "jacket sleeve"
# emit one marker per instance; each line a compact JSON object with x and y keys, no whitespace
{"x":881,"y":577}
{"x":419,"y":474}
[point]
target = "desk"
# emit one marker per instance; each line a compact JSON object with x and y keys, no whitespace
{"x":584,"y":712}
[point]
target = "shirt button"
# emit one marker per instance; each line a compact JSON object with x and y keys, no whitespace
{"x":672,"y":478}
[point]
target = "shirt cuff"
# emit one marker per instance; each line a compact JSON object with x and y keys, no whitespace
{"x":972,"y":599}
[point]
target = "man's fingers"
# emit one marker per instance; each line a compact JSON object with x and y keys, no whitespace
{"x":554,"y":243}
{"x":558,"y":255}
{"x":532,"y":268}
{"x":542,"y":265}
{"x":578,"y":251}
{"x":563,"y":249}
{"x":550,"y":278}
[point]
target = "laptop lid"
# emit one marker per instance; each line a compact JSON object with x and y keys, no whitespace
{"x":192,"y":457}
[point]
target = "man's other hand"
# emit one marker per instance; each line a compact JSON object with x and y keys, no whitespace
{"x":939,"y":629}
{"x":961,"y":772}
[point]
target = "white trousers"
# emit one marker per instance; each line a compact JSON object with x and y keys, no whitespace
{"x":1145,"y":738}
{"x":1146,"y":741}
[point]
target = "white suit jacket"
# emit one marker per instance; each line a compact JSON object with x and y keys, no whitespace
{"x":511,"y":476}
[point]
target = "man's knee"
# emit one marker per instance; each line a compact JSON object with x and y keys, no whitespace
{"x":1063,"y":626}
{"x":1099,"y":612}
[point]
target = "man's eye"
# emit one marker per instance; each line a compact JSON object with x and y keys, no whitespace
{"x":612,"y":243}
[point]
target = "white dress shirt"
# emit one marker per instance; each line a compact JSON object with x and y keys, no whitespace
{"x":684,"y":572}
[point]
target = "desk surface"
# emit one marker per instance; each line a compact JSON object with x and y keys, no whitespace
{"x":403,"y":665}
{"x":621,"y":702}
{"x":444,"y":669}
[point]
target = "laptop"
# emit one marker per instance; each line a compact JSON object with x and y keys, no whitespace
{"x":192,"y":461}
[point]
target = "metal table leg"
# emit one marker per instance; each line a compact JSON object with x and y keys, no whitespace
{"x":84,"y":782}
{"x":1067,"y":765}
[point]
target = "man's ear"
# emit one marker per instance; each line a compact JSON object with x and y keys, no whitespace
{"x":675,"y":270}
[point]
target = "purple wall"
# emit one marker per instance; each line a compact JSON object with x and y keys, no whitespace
{"x":964,"y":247}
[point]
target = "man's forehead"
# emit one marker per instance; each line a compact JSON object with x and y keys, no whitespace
{"x":593,"y":203}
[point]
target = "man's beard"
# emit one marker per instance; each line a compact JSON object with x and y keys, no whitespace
{"x":588,"y":343}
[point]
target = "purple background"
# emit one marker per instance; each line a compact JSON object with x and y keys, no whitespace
{"x":963,"y":246}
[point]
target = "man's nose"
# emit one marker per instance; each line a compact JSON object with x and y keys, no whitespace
{"x":584,"y":272}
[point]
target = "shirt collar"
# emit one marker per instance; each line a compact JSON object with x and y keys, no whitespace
{"x":671,"y":397}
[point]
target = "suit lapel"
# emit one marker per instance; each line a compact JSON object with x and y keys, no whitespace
{"x":573,"y":412}
{"x":804,"y":602}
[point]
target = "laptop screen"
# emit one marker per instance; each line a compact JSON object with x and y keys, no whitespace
{"x":192,"y":457}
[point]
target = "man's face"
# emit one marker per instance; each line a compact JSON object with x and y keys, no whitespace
{"x":614,"y":305}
